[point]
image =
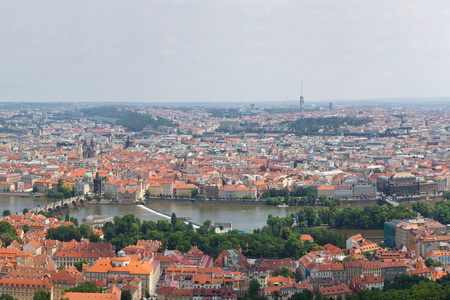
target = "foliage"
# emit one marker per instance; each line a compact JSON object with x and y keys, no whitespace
{"x":48,"y":214}
{"x":303,"y":295}
{"x":6,"y":212}
{"x":126,"y":295}
{"x":425,"y":209}
{"x":25,"y":211}
{"x":446,"y":195}
{"x":278,"y":239}
{"x":42,"y":295}
{"x":440,"y":212}
{"x":86,"y":287}
{"x":26,"y":228}
{"x":223,"y":112}
{"x":424,"y":289}
{"x":54,"y":194}
{"x":299,"y":197}
{"x":7,"y":233}
{"x":429,"y":262}
{"x":286,"y":193}
{"x":79,"y":265}
{"x":285,"y":272}
{"x":311,"y":126}
{"x":6,"y":297}
{"x":255,"y":287}
{"x":370,"y":217}
{"x":74,"y":221}
{"x":132,"y":120}
{"x":403,"y":282}
{"x":64,"y":233}
{"x":66,"y":190}
{"x":173,"y":219}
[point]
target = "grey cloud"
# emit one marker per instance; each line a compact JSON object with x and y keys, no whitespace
{"x":222,"y":50}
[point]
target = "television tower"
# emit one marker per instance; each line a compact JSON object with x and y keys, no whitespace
{"x":302,"y":100}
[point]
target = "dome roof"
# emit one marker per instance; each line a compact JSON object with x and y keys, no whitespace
{"x":88,"y":175}
{"x":110,"y":174}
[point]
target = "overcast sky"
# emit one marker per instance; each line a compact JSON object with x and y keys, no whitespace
{"x":154,"y":51}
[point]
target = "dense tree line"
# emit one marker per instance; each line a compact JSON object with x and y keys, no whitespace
{"x":136,"y":121}
{"x":300,"y":192}
{"x":278,"y":239}
{"x":68,"y":233}
{"x":370,"y":217}
{"x":425,"y":209}
{"x":403,"y":287}
{"x":408,"y":287}
{"x":298,"y":197}
{"x":132,"y":120}
{"x":311,"y":126}
{"x":440,"y":212}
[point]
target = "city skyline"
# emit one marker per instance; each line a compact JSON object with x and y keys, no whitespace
{"x":259,"y":51}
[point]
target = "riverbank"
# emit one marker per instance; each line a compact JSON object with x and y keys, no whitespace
{"x":196,"y":200}
{"x":21,"y":194}
{"x":244,"y":217}
{"x":258,"y":202}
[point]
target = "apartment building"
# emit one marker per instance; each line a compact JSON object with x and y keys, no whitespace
{"x":124,"y":266}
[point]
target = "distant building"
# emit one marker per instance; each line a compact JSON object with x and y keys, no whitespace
{"x":229,"y":125}
{"x":364,"y":191}
{"x":223,"y":227}
{"x":368,"y":282}
{"x":88,"y":149}
{"x":30,"y":179}
{"x":405,"y":183}
{"x":335,"y":292}
{"x":127,"y":196}
{"x":95,"y":221}
{"x":98,"y":188}
{"x":10,"y":177}
{"x":326,"y":190}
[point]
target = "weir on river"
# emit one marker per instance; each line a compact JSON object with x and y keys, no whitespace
{"x":163,"y":214}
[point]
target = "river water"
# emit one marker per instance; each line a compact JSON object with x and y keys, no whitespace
{"x":243,"y":217}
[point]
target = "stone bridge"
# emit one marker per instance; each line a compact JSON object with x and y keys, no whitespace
{"x":60,"y":205}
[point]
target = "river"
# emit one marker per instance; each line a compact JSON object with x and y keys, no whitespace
{"x":243,"y":217}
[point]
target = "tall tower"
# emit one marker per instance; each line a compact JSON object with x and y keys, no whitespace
{"x":302,"y":101}
{"x":330,"y":106}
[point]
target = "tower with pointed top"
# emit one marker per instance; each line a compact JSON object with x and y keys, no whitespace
{"x":98,"y":188}
{"x":302,"y":101}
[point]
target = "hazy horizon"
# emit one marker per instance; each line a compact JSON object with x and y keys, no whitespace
{"x":223,"y":51}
